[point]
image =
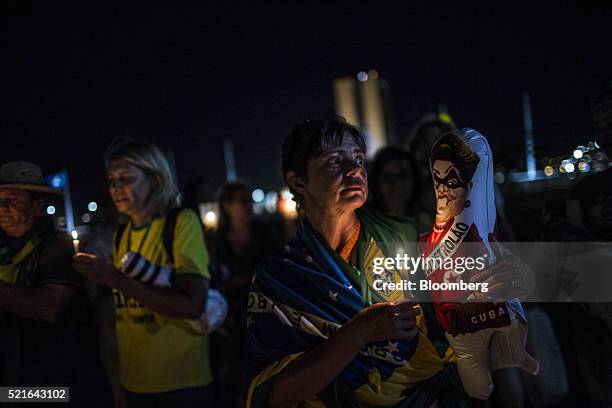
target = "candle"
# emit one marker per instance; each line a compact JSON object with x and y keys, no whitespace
{"x":75,"y":241}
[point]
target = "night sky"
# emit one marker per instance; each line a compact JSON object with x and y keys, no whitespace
{"x":76,"y":76}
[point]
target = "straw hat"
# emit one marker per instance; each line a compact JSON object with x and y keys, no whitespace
{"x":23,"y":175}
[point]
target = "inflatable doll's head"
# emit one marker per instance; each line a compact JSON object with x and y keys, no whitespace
{"x":462,"y":169}
{"x":453,"y":165}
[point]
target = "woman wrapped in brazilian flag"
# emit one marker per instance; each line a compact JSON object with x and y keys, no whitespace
{"x":319,"y":334}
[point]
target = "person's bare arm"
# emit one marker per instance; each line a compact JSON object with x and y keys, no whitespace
{"x":313,"y":371}
{"x":46,"y":303}
{"x":184,"y":300}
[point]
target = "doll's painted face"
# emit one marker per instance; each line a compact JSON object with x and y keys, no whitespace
{"x":451,"y":190}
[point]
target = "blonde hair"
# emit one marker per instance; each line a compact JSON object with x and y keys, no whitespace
{"x":150,"y":159}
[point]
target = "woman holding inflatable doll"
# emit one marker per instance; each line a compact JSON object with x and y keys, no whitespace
{"x":320,"y":332}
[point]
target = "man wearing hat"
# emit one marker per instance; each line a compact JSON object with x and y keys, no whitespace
{"x":38,"y":341}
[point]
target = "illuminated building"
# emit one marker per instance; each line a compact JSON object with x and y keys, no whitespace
{"x":365,"y":101}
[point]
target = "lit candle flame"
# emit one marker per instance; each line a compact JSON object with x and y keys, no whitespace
{"x":75,"y":241}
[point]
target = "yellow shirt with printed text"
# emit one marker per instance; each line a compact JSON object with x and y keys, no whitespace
{"x":159,"y":354}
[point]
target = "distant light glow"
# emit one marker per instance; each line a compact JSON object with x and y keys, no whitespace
{"x":74,"y":234}
{"x":56,"y":181}
{"x":549,"y":171}
{"x":291,"y":205}
{"x":50,"y":210}
{"x":258,"y":208}
{"x":209,"y":214}
{"x":499,"y":177}
{"x":562,"y":168}
{"x":578,"y":154}
{"x":210,"y":217}
{"x":523,"y":177}
{"x":286,"y":194}
{"x":569,"y":167}
{"x":92,"y":206}
{"x":362,"y":76}
{"x":373,"y":74}
{"x":584,"y":167}
{"x":258,"y":195}
{"x":86,"y":217}
{"x":271,"y":202}
{"x":287,"y":206}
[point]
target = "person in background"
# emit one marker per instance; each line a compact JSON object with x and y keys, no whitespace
{"x":590,"y":202}
{"x":163,"y":361}
{"x":241,"y":242}
{"x":44,"y":315}
{"x":589,"y":208}
{"x":585,"y":329}
{"x":396,"y":185}
{"x":422,"y":137}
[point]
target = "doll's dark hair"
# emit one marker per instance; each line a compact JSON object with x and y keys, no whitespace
{"x":451,"y":148}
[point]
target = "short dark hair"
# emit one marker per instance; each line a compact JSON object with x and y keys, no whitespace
{"x":450,"y":147}
{"x":309,"y":139}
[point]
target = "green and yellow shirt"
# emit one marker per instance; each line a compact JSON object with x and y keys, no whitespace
{"x":159,"y":354}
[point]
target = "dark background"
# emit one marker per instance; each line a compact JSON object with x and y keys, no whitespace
{"x":76,"y":75}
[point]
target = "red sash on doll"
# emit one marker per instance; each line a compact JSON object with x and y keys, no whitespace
{"x":460,"y":318}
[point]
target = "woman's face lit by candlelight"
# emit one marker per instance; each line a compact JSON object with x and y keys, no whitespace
{"x":129,"y":187}
{"x":336,"y":180}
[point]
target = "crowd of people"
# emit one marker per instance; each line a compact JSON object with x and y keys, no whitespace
{"x":123,"y":321}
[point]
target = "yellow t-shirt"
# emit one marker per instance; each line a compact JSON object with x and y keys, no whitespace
{"x":159,"y":354}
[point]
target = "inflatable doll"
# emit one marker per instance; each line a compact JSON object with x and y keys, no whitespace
{"x":484,"y":335}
